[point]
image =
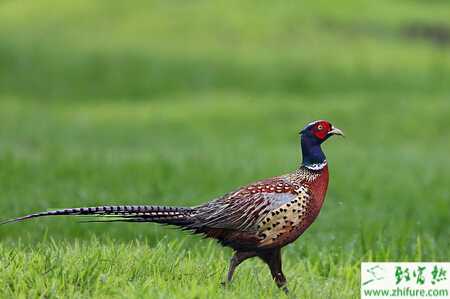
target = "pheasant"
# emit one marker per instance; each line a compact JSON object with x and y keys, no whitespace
{"x":256,"y":220}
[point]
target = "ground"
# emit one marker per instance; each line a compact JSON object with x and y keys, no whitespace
{"x":156,"y":103}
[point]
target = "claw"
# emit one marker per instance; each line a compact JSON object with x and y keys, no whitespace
{"x":285,"y":289}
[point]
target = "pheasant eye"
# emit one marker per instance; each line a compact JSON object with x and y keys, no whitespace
{"x":319,"y":127}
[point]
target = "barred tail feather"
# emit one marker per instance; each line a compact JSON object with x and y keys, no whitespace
{"x":161,"y":214}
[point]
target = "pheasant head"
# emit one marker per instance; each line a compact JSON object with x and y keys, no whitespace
{"x":312,"y":136}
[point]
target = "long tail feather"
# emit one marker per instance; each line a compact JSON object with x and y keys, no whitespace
{"x":161,"y":214}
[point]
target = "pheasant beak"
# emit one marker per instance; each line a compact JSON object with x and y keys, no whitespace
{"x":336,"y":131}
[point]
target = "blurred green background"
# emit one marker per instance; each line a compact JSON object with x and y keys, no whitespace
{"x":176,"y":102}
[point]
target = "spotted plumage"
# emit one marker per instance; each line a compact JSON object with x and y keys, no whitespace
{"x":255,"y":220}
{"x":278,"y":223}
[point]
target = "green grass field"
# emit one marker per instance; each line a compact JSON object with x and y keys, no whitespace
{"x":159,"y":102}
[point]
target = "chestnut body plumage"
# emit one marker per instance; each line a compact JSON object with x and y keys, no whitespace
{"x":256,"y":220}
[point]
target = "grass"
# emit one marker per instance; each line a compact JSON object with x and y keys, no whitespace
{"x":153,"y":48}
{"x":167,"y":270}
{"x":177,"y":104}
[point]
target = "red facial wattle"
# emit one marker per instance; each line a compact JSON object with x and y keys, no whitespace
{"x":321,"y":130}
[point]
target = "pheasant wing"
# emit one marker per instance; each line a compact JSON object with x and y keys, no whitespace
{"x":246,"y":209}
